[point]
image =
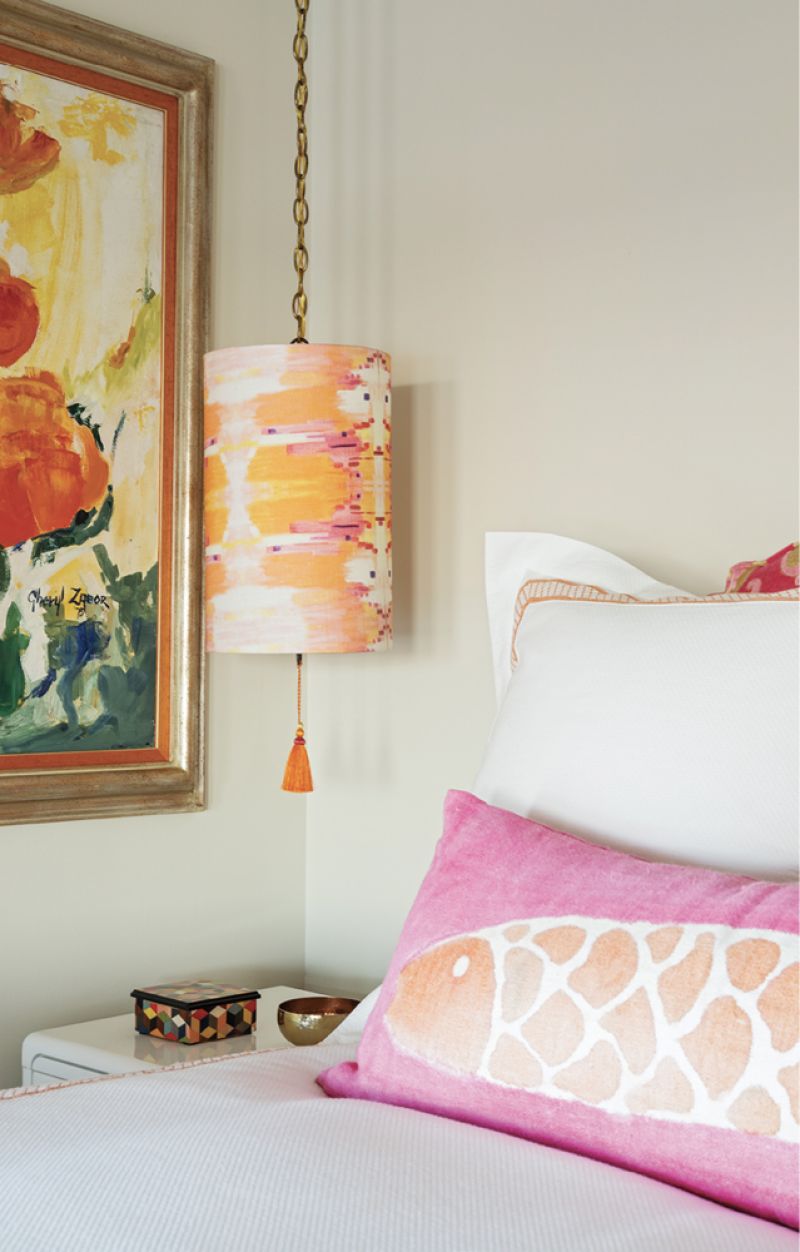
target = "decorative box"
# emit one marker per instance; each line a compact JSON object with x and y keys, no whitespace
{"x":194,"y":1012}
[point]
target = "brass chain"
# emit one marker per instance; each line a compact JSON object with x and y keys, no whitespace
{"x":300,"y":49}
{"x":299,"y":663}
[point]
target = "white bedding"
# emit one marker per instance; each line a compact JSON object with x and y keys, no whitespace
{"x":247,"y":1154}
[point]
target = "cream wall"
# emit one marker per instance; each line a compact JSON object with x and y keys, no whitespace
{"x":573,"y":222}
{"x":90,"y":909}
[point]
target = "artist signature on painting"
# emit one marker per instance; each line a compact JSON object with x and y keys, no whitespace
{"x":77,"y":596}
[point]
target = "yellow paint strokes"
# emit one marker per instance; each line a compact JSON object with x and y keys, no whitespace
{"x":138,"y":351}
{"x":81,"y":574}
{"x":88,"y":243}
{"x":134,"y":523}
{"x":29,"y":224}
{"x":51,"y":232}
{"x":95,"y":118}
{"x":307,"y":488}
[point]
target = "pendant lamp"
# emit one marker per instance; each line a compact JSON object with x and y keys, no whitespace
{"x":297,"y":484}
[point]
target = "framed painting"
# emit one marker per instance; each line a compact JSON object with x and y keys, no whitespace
{"x":104,"y":212}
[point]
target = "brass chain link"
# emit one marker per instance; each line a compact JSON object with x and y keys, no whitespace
{"x":300,"y":49}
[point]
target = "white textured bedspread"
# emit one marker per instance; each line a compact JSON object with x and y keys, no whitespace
{"x":247,"y":1154}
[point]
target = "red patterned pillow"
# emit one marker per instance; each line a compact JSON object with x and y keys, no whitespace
{"x":779,"y":572}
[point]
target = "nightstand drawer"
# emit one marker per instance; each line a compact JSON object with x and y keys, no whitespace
{"x":47,"y":1069}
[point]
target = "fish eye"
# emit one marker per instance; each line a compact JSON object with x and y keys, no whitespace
{"x":460,"y":967}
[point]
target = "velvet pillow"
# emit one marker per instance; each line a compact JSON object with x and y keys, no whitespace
{"x":779,"y":572}
{"x":641,"y":1013}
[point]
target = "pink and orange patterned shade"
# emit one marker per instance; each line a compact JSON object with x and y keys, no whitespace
{"x":298,"y":499}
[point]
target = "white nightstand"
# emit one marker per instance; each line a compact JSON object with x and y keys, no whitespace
{"x":112,"y":1046}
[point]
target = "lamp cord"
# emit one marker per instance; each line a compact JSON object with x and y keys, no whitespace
{"x":300,"y":730}
{"x":300,"y":49}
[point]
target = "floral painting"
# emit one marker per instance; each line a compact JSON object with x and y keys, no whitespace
{"x":85,"y":415}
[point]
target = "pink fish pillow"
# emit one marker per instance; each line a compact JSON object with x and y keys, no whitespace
{"x":641,"y":1013}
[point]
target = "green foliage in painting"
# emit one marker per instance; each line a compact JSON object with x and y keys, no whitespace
{"x":79,"y":414}
{"x":135,"y":595}
{"x":107,"y":663}
{"x":87,"y":524}
{"x":13,"y":643}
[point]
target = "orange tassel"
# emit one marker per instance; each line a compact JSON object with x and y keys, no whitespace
{"x":297,"y":775}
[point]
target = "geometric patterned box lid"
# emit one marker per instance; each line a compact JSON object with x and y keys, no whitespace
{"x":190,"y":994}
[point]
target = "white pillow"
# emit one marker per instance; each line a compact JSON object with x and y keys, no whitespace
{"x":664,"y":728}
{"x":352,"y":1028}
{"x":513,"y":556}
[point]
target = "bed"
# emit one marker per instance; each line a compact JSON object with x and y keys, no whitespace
{"x":247,"y":1153}
{"x":250,"y":1152}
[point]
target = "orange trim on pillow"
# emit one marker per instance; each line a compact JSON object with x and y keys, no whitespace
{"x":541,"y":590}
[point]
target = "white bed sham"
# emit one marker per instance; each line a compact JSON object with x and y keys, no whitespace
{"x":667,"y":728}
{"x":246,"y":1153}
{"x":514,"y":555}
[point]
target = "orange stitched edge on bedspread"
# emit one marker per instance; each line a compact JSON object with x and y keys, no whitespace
{"x":540,"y":590}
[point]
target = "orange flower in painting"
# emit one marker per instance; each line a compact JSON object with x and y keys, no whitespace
{"x":50,"y":465}
{"x":19,"y":316}
{"x":25,"y":153}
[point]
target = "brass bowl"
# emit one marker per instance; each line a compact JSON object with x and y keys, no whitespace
{"x":310,"y":1019}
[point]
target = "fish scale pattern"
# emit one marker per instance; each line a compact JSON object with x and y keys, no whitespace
{"x":689,"y":1023}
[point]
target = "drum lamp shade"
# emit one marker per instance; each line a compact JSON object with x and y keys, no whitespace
{"x":298,"y":499}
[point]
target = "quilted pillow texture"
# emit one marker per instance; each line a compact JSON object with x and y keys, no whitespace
{"x":641,"y":1013}
{"x":779,"y":572}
